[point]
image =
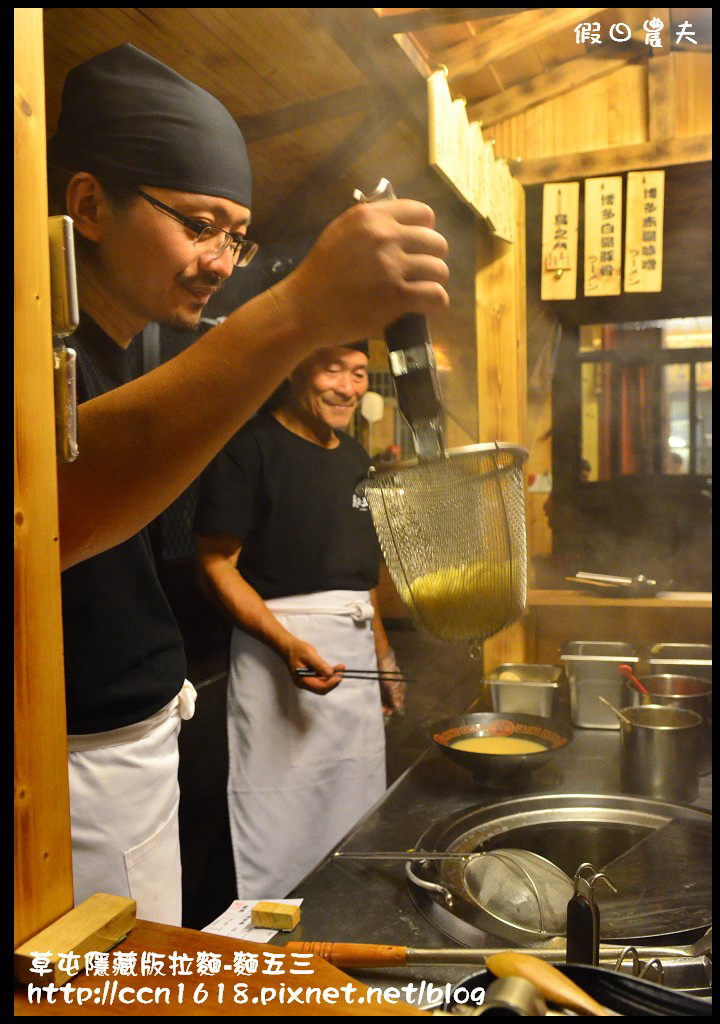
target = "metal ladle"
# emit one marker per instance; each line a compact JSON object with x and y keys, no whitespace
{"x":620,"y":715}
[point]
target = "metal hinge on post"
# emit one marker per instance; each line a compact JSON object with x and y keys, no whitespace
{"x":65,"y":318}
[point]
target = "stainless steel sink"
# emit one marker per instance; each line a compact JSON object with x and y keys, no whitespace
{"x":570,"y":829}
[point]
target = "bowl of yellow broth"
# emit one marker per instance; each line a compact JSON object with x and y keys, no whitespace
{"x":500,"y":748}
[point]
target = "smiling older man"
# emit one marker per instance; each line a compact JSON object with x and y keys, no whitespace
{"x":288,"y":550}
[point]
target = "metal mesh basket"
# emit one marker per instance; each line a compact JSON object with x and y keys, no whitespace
{"x":452,"y":532}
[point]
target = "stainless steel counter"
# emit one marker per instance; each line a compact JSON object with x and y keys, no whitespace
{"x":369,"y":901}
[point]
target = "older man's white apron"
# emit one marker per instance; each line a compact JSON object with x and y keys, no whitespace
{"x":304,"y":767}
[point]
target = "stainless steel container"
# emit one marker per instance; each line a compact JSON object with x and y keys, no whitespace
{"x":682,"y":659}
{"x":659,"y":749}
{"x":682,"y":692}
{"x":528,"y":689}
{"x":591,"y":667}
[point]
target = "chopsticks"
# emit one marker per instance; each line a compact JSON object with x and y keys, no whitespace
{"x":357,"y":673}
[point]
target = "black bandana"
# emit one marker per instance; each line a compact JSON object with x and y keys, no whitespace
{"x":129,"y":117}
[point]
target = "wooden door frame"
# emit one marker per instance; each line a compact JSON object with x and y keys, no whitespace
{"x":43,"y":860}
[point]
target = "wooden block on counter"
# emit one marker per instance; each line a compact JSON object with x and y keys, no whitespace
{"x":280,"y":916}
{"x":96,"y":925}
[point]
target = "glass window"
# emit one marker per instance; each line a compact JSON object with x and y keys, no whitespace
{"x":646,"y":398}
{"x":703,"y":418}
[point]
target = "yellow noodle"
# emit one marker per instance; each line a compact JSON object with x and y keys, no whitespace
{"x":475,"y":600}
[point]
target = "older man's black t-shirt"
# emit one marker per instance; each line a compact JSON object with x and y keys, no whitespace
{"x":293,"y":506}
{"x":124,"y":655}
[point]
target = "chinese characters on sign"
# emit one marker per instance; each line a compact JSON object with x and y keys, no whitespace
{"x":560,"y":240}
{"x":644,"y":231}
{"x":591,"y":32}
{"x":603,"y":235}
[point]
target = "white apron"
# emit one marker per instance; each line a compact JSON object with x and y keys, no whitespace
{"x":303,"y":767}
{"x":124,"y":812}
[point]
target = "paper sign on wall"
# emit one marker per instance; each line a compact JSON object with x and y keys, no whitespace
{"x":603,"y":236}
{"x":561,"y":202}
{"x":644,"y":210}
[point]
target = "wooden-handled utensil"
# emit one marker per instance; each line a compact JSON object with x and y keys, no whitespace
{"x":552,"y":984}
{"x":354,"y":954}
{"x":368,"y":954}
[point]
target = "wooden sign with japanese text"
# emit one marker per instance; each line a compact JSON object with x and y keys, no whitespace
{"x":462,"y":170}
{"x":503,"y":226}
{"x":465,"y":161}
{"x":644,"y":209}
{"x":603,"y":236}
{"x":561,"y":202}
{"x":478,"y":159}
{"x":441,"y":127}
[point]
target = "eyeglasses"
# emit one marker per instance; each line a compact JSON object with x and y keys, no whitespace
{"x":217,"y":240}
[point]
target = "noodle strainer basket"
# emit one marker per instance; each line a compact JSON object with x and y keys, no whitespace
{"x":452,"y":532}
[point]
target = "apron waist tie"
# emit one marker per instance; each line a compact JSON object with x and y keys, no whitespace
{"x":183,"y":704}
{"x":359,"y":611}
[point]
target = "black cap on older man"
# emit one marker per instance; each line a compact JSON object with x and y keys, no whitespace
{"x":130,"y":118}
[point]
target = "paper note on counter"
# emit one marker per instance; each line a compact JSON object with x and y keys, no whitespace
{"x":236,"y":922}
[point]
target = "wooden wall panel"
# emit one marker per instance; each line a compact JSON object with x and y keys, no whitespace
{"x":502,"y":371}
{"x":693,"y":93}
{"x":614,"y":111}
{"x":501,"y":332}
{"x":609,"y":111}
{"x":43,"y":873}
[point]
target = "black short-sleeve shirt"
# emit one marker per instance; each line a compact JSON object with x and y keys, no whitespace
{"x":293,"y":506}
{"x":124,"y":654}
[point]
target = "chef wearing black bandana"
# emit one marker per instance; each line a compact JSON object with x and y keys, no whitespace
{"x":155,"y":175}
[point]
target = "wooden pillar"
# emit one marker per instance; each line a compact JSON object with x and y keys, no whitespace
{"x":502,"y":369}
{"x":43,"y":868}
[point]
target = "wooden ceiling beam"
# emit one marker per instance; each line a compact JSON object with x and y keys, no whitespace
{"x":306,"y":210}
{"x":431,"y":17}
{"x":551,"y":84}
{"x":613,"y":160}
{"x":359,"y":33}
{"x":510,"y":36}
{"x":304,"y":115}
{"x":414,"y":54}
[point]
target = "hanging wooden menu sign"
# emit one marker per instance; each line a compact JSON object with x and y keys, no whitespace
{"x":462,"y":146}
{"x":441,"y":125}
{"x":478,"y":183}
{"x":465,"y":161}
{"x":558,"y":279}
{"x":603,"y":236}
{"x":644,"y":209}
{"x":504,"y":223}
{"x":487,"y":170}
